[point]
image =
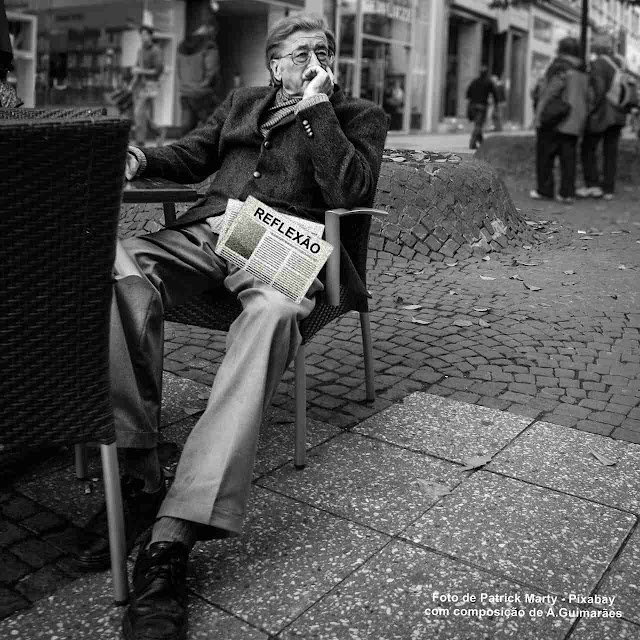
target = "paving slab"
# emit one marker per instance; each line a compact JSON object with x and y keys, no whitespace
{"x":85,"y":611}
{"x":444,"y":428}
{"x":623,"y":580}
{"x":289,"y":556}
{"x":605,"y":630}
{"x":392,"y":597}
{"x":559,"y":543}
{"x":560,"y":458}
{"x":367,"y":481}
{"x":276,"y":445}
{"x":181,"y":397}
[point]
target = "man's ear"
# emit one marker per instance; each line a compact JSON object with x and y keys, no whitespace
{"x":274,"y":65}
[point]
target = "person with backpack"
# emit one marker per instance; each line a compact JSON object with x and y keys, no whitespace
{"x":561,"y":99}
{"x":614,"y":94}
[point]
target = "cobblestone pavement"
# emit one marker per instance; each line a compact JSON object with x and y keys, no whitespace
{"x":549,"y":331}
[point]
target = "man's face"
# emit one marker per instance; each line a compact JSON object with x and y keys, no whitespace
{"x":286,"y":70}
{"x":145,"y":36}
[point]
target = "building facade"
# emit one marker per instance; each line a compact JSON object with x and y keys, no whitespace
{"x":415,"y":58}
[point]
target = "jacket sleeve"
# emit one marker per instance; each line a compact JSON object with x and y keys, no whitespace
{"x":194,"y":157}
{"x":346,"y":156}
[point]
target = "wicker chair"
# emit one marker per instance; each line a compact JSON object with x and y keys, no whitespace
{"x":62,"y":184}
{"x":220,"y":311}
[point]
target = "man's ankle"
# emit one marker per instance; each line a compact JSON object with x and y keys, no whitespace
{"x":143,"y":464}
{"x":168,"y":529}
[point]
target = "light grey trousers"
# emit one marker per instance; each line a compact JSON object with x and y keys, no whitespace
{"x":157,"y":272}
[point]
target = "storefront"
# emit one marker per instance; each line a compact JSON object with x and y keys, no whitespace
{"x":383,"y":56}
{"x":85,"y":50}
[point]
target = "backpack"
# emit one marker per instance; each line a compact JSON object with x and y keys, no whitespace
{"x":623,"y":91}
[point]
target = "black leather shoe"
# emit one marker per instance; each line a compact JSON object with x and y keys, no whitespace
{"x":158,"y":609}
{"x":140,"y":509}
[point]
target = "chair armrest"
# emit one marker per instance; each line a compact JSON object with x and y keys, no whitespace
{"x":332,"y":235}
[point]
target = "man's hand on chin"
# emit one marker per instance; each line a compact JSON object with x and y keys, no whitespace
{"x":317,"y":80}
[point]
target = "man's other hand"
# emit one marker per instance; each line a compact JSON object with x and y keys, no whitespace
{"x":133,"y":164}
{"x":317,"y":80}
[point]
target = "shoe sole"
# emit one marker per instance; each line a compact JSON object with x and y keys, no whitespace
{"x":129,"y":634}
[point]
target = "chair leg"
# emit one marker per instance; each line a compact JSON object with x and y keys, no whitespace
{"x":115,"y":519}
{"x":367,"y":348}
{"x":301,"y":409}
{"x":82,"y":467}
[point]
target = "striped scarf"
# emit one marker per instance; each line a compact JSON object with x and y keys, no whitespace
{"x":283,"y":106}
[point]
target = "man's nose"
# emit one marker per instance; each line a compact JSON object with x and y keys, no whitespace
{"x":313,"y":58}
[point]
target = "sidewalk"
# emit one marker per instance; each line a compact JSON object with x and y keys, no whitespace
{"x":385,"y":535}
{"x":536,"y":373}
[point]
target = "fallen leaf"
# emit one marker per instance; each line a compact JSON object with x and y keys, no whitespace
{"x":411,"y":307}
{"x":544,"y":304}
{"x":569,"y":272}
{"x":451,"y":264}
{"x":475,"y":462}
{"x":528,"y":264}
{"x":487,"y":278}
{"x":483,"y":323}
{"x":581,"y":231}
{"x":568,"y":284}
{"x":203,"y":395}
{"x":614,"y":296}
{"x":532,"y":287}
{"x":515,"y":276}
{"x":419,"y":321}
{"x":527,"y":246}
{"x":481,"y":309}
{"x":462,"y":323}
{"x":587,"y":238}
{"x":622,"y":267}
{"x":88,"y":488}
{"x":453,"y":292}
{"x":531,"y":223}
{"x":601,"y":458}
{"x":613,"y":233}
{"x":399,"y":300}
{"x":432,"y":489}
{"x":190,"y":410}
{"x":486,"y":258}
{"x":486,"y":422}
{"x":417,"y":273}
{"x":398,"y":159}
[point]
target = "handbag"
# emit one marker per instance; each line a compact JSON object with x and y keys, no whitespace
{"x":554,"y":112}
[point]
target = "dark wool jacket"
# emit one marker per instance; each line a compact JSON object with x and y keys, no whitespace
{"x":336,"y":166}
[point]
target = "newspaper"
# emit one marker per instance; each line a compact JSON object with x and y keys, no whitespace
{"x":281,"y":250}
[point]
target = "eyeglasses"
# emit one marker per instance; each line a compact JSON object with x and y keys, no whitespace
{"x":301,"y":56}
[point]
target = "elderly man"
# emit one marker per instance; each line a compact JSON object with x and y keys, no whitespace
{"x":301,"y":146}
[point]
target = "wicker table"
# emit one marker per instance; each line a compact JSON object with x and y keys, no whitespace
{"x":159,"y":190}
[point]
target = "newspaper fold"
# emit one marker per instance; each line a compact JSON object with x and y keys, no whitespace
{"x":284,"y":251}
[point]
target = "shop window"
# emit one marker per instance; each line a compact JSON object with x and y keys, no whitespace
{"x":387,"y":19}
{"x":383,"y":78}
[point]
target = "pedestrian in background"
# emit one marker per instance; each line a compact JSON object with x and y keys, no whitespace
{"x":561,"y":99}
{"x":604,"y":126}
{"x":8,"y":97}
{"x":497,"y":115}
{"x":199,"y":78}
{"x":478,"y":94}
{"x":145,"y":87}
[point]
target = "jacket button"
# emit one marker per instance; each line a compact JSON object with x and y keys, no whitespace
{"x":305,"y":122}
{"x":310,"y":134}
{"x":257,"y":174}
{"x":267,"y":144}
